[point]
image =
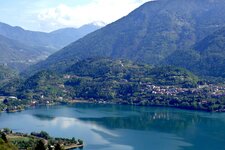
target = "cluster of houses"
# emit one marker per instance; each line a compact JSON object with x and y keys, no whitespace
{"x":166,"y":90}
{"x":213,"y":90}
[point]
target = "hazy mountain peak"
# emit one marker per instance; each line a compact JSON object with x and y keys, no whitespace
{"x":99,"y":23}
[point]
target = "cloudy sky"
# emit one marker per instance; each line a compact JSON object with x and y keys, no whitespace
{"x":48,"y":15}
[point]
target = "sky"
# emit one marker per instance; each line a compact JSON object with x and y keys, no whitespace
{"x":49,"y":15}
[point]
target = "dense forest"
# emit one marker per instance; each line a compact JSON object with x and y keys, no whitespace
{"x":117,"y":81}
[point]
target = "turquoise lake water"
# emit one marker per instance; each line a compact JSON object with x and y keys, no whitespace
{"x":116,"y":127}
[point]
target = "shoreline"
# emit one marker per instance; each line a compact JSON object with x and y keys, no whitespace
{"x":74,"y":101}
{"x":65,"y":143}
{"x":159,"y":106}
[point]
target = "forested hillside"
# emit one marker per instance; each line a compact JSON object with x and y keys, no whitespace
{"x":159,"y":32}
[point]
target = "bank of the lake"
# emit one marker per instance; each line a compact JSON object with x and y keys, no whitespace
{"x":33,"y":140}
{"x":110,"y":127}
{"x":116,"y":81}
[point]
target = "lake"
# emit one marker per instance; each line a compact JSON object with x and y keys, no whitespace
{"x":118,"y":127}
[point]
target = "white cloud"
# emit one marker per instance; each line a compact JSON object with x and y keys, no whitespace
{"x":97,"y":10}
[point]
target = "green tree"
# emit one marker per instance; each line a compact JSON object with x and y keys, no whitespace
{"x":58,"y":147}
{"x":49,"y":147}
{"x":40,"y":145}
{"x":7,"y":130}
{"x":44,"y":135}
{"x":3,"y":136}
{"x":80,"y":142}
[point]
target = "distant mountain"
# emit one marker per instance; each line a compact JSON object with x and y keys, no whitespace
{"x":54,"y":40}
{"x":76,"y":32}
{"x":18,"y":55}
{"x":151,"y":33}
{"x":62,"y":37}
{"x":20,"y":48}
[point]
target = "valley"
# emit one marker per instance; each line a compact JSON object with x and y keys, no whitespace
{"x":21,"y":48}
{"x":120,"y":75}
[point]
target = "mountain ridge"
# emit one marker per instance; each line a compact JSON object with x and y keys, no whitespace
{"x":45,"y":39}
{"x":25,"y":47}
{"x":18,"y":55}
{"x":149,"y":34}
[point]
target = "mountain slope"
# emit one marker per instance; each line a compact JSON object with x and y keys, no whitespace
{"x":117,"y":81}
{"x":20,"y":48}
{"x":18,"y":55}
{"x":214,"y":43}
{"x":149,"y":34}
{"x":53,"y":41}
{"x":212,"y":50}
{"x":207,"y":57}
{"x":6,"y":74}
{"x":106,"y":80}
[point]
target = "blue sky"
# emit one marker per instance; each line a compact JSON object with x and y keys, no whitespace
{"x":48,"y":15}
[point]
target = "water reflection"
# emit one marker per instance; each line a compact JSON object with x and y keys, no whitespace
{"x":161,"y":121}
{"x":112,"y":127}
{"x":43,"y":117}
{"x":66,"y":123}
